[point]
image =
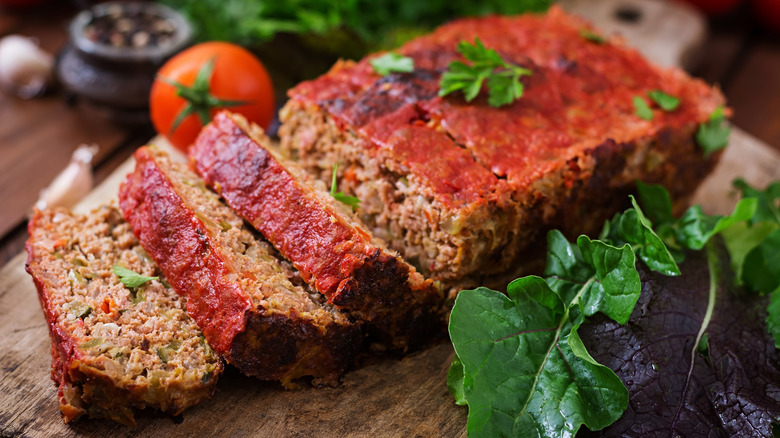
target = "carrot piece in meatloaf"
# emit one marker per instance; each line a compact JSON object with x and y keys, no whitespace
{"x":114,"y":347}
{"x":251,"y":306}
{"x":330,"y":247}
{"x":465,"y":189}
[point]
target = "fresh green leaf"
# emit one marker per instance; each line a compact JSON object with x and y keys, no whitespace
{"x":643,"y":111}
{"x":503,"y":78}
{"x":656,"y":201}
{"x":694,"y":229}
{"x":638,"y":231}
{"x":392,"y":62}
{"x":761,"y":269}
{"x":773,"y":316}
{"x":616,"y":287}
{"x":667,"y":102}
{"x":130,"y":278}
{"x":741,"y":238}
{"x":351,"y":201}
{"x":592,"y":36}
{"x":526,"y":372}
{"x":455,"y":381}
{"x":713,"y":134}
{"x":768,"y":208}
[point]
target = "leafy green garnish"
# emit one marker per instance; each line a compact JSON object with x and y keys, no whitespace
{"x":130,"y":278}
{"x":713,"y":134}
{"x":503,"y":78}
{"x":667,"y":102}
{"x":592,"y":36}
{"x":352,"y":201}
{"x":392,"y":62}
{"x":643,"y":111}
{"x":520,"y":364}
{"x":751,"y":234}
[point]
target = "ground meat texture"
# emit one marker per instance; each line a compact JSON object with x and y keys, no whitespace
{"x":242,"y":296}
{"x":113,"y":347}
{"x":465,"y":190}
{"x":330,"y":247}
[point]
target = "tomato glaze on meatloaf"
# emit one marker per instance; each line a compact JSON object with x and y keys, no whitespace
{"x":331,"y":248}
{"x":252,"y":306}
{"x":464,"y":190}
{"x":113,"y":347}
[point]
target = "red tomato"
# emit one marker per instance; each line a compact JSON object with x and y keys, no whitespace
{"x":768,"y":13}
{"x":237,"y":76}
{"x":714,"y":7}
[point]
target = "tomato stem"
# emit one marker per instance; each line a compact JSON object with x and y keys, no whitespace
{"x":199,"y":99}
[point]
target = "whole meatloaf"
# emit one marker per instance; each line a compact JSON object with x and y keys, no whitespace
{"x":328,"y":245}
{"x":463,"y":189}
{"x":252,"y":307}
{"x":113,"y":347}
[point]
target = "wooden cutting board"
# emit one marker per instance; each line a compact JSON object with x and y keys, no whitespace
{"x":387,"y":397}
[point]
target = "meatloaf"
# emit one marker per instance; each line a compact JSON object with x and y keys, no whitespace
{"x":328,"y":245}
{"x":252,"y":307}
{"x":464,"y":189}
{"x":114,"y":347}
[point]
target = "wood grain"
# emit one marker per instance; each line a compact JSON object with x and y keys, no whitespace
{"x":396,"y":397}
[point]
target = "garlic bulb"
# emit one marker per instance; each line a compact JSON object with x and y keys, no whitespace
{"x":25,"y":69}
{"x":73,"y":183}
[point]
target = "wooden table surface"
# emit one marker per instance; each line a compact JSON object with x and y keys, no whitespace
{"x":38,"y":136}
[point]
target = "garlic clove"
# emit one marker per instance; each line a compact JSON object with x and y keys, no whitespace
{"x":73,"y":183}
{"x":25,"y":69}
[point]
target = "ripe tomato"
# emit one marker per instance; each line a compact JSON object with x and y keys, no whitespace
{"x":185,"y":95}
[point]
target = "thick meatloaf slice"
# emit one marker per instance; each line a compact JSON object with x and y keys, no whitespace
{"x":323,"y":239}
{"x":113,"y":347}
{"x":462,"y":189}
{"x":252,"y":307}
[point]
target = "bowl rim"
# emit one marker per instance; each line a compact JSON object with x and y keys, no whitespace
{"x":181,"y":38}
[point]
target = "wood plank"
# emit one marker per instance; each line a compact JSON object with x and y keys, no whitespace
{"x":401,"y":397}
{"x":754,"y":92}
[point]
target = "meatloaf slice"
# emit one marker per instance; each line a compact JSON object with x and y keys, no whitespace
{"x":463,"y":189}
{"x":114,"y":347}
{"x":251,"y":306}
{"x":331,"y":248}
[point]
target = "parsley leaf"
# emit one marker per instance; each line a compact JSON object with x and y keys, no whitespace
{"x":713,"y":134}
{"x":643,"y":111}
{"x":392,"y":62}
{"x":667,"y":102}
{"x":131,"y":278}
{"x":503,"y":78}
{"x":340,"y":196}
{"x":592,"y":36}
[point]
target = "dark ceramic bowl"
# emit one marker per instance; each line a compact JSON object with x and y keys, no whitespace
{"x":117,"y":79}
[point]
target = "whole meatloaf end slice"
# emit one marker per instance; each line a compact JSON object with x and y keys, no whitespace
{"x":330,"y":247}
{"x":114,"y":347}
{"x":251,"y":306}
{"x":464,"y":189}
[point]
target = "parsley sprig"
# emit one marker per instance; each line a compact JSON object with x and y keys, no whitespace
{"x":714,"y":133}
{"x":503,"y":78}
{"x":131,"y":278}
{"x":340,"y":196}
{"x":392,"y":62}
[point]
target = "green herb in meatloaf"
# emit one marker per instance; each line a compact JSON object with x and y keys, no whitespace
{"x":116,"y":327}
